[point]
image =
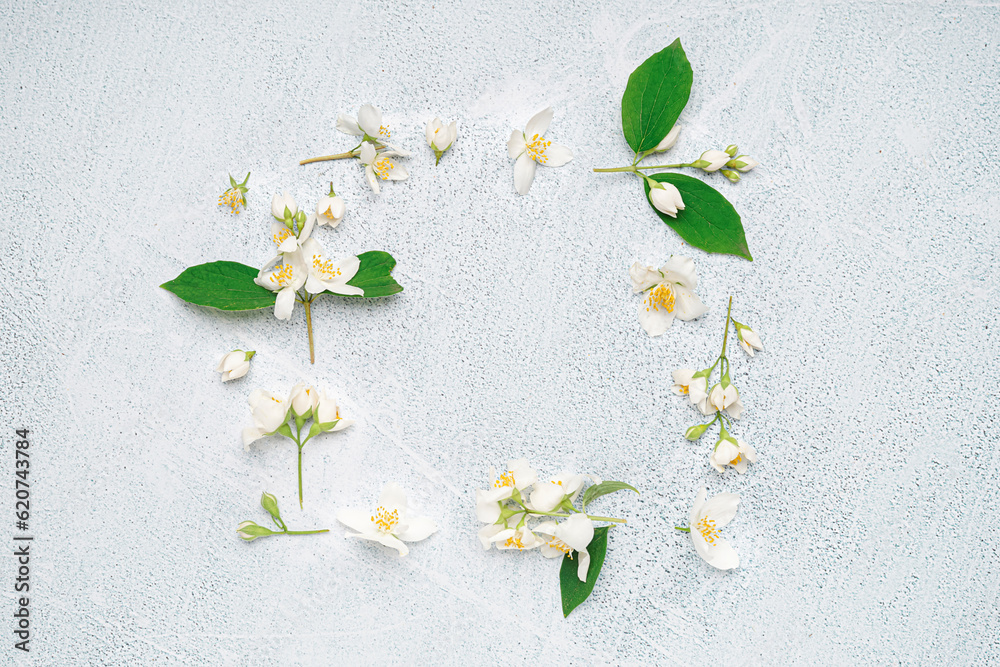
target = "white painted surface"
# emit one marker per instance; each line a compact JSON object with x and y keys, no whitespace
{"x":868,"y":528}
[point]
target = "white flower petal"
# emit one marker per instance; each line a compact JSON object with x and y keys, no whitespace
{"x":687,"y":305}
{"x":680,"y":269}
{"x":655,"y":321}
{"x":348,"y":125}
{"x":524,"y":174}
{"x":515,"y":145}
{"x":356,"y":520}
{"x":557,"y":155}
{"x":284,"y":303}
{"x":372,"y":181}
{"x":539,"y":123}
{"x":370,"y":120}
{"x":419,"y":528}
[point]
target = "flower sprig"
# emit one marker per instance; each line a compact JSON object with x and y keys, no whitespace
{"x":250,"y":531}
{"x":518,"y":497}
{"x":374,"y":151}
{"x":656,"y":94}
{"x":236,"y":195}
{"x":721,"y":399}
{"x":274,"y":414}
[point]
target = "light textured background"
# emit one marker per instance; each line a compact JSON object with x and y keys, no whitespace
{"x":867,"y":531}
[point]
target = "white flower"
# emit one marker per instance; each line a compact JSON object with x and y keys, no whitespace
{"x":368,"y":124}
{"x":269,"y":412}
{"x":530,"y":146}
{"x":439,"y":136}
{"x":283,"y":207}
{"x":235,"y":364}
{"x":519,"y":476}
{"x":285,"y":239}
{"x":546,"y":496}
{"x":749,"y":340}
{"x":284,"y":274}
{"x":391,"y":523}
{"x":743,"y":163}
{"x":330,"y":210}
{"x":327,"y":275}
{"x":670,"y":295}
{"x":727,"y":399}
{"x":712,"y":160}
{"x":378,"y":165}
{"x":668,"y":141}
{"x":326,"y":411}
{"x":696,"y":388}
{"x":519,"y":538}
{"x":303,"y":399}
{"x":707,"y":518}
{"x":730,"y":452}
{"x":573,"y":534}
{"x":665,"y":197}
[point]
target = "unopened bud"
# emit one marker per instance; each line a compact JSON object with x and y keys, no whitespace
{"x":733,"y":176}
{"x":249,"y":531}
{"x":696,"y":431}
{"x":743,"y":163}
{"x":732,"y":149}
{"x":270,"y":503}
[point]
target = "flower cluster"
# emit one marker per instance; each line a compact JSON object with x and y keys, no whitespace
{"x":721,"y":399}
{"x":274,"y":414}
{"x":518,"y":496}
{"x":669,"y":293}
{"x":714,"y":160}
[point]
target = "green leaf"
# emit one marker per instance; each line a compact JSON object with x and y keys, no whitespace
{"x":574,"y":591}
{"x":222,"y":285}
{"x":603,"y":489}
{"x":708,"y":220}
{"x":657,"y":92}
{"x":373,"y":275}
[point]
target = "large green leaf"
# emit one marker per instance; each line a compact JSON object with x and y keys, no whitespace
{"x":373,"y":274}
{"x":222,"y":285}
{"x":708,"y":220}
{"x":657,"y":92}
{"x":602,"y":489}
{"x":574,"y":591}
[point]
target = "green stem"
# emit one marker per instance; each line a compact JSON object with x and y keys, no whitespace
{"x":300,"y":476}
{"x":309,"y":325}
{"x":589,"y":516}
{"x":725,"y":338}
{"x":666,"y":166}
{"x":683,"y":530}
{"x":323,"y":158}
{"x":632,"y":169}
{"x":305,"y":532}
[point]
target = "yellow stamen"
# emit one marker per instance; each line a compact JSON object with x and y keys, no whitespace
{"x":536,"y":148}
{"x":383,"y":167}
{"x":661,"y":296}
{"x":232,"y":198}
{"x":385,"y":520}
{"x":383,"y":131}
{"x":561,"y":546}
{"x":325,"y":267}
{"x":707,"y":528}
{"x":282,"y":276}
{"x":514,"y":541}
{"x":280,"y":237}
{"x":506,"y":479}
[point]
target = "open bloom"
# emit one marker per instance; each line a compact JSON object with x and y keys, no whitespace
{"x":327,"y":275}
{"x":727,"y":399}
{"x":284,"y":274}
{"x":712,"y":160}
{"x":665,"y":197}
{"x":669,"y":293}
{"x":546,"y":496}
{"x":530,"y":147}
{"x":440,"y":137}
{"x":732,"y":452}
{"x":235,"y":364}
{"x":519,"y":476}
{"x":520,"y":538}
{"x":573,"y":534}
{"x":695,"y":388}
{"x":707,"y":519}
{"x":330,"y":210}
{"x":368,"y":124}
{"x":269,"y":412}
{"x":380,"y":166}
{"x":391,"y":523}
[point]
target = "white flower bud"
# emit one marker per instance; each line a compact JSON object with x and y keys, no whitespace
{"x":666,"y":198}
{"x":235,"y":364}
{"x":303,"y":399}
{"x":749,"y":340}
{"x":714,"y":160}
{"x":743,"y":163}
{"x":732,"y":149}
{"x":330,"y":210}
{"x":668,"y":141}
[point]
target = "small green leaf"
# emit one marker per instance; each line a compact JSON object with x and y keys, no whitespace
{"x":373,"y":275}
{"x":604,"y":488}
{"x":574,"y":591}
{"x":222,"y":285}
{"x":708,"y":220}
{"x":657,"y":92}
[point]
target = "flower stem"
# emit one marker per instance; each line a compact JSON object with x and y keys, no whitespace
{"x":309,"y":325}
{"x":323,"y":158}
{"x":682,"y":529}
{"x":725,"y":338}
{"x":305,"y":532}
{"x":632,"y":169}
{"x":589,"y":516}
{"x":300,"y":476}
{"x":665,"y":166}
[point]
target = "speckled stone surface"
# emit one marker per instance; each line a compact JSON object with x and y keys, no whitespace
{"x":868,"y":528}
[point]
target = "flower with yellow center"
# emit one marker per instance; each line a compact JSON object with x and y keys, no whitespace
{"x":269,"y":412}
{"x":520,"y":538}
{"x":284,"y":274}
{"x":440,"y":137}
{"x":573,"y":534}
{"x":706,"y":520}
{"x":380,"y":166}
{"x":546,"y":496}
{"x":695,"y":388}
{"x":330,"y":209}
{"x":730,"y":451}
{"x":390,"y":523}
{"x":669,"y":293}
{"x":328,"y":275}
{"x":518,"y":476}
{"x":369,"y":125}
{"x":530,"y":147}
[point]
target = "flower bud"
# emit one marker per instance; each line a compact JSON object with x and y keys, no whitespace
{"x":440,"y":137}
{"x":712,"y":160}
{"x":743,"y":163}
{"x":235,"y":364}
{"x":330,"y":209}
{"x":270,"y":503}
{"x":284,"y":208}
{"x":303,"y":399}
{"x":731,"y":175}
{"x":749,"y":340}
{"x":668,"y":141}
{"x":249,"y":531}
{"x":696,"y":431}
{"x":732,"y":149}
{"x":665,"y":197}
